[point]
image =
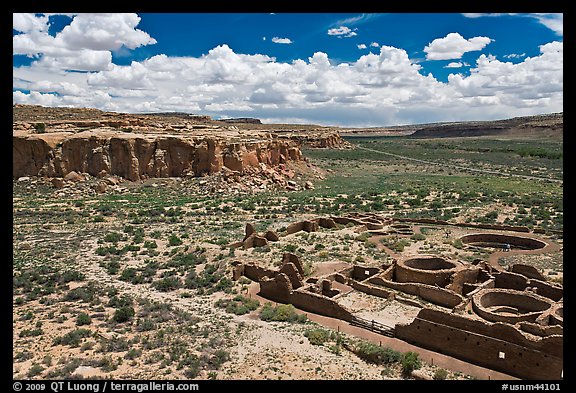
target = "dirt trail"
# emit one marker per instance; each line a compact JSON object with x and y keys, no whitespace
{"x":430,"y":357}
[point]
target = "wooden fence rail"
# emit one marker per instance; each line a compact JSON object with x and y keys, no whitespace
{"x":373,"y":326}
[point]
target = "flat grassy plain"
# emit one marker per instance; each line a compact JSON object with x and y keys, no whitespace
{"x":126,"y":284}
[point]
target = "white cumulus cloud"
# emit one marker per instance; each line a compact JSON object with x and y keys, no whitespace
{"x":382,"y":88}
{"x":83,"y":45}
{"x":342,"y":31}
{"x":278,"y":40}
{"x":374,"y":44}
{"x":361,"y":46}
{"x":26,"y":23}
{"x":453,"y":46}
{"x":454,"y":64}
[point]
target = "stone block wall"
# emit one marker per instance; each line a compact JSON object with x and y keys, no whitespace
{"x":510,"y":353}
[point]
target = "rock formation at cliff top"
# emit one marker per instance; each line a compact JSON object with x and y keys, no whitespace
{"x":56,"y":141}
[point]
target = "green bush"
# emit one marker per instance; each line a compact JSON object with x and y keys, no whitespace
{"x":149,"y":244}
{"x":174,"y":240}
{"x":31,"y":332}
{"x":440,"y":374}
{"x":220,"y":356}
{"x":239,"y":305}
{"x":83,"y":319}
{"x":113,"y":237}
{"x":73,"y":338}
{"x":167,"y":284}
{"x":281,"y":313}
{"x":317,"y":336}
{"x":410,"y":362}
{"x":373,"y":353}
{"x":121,"y":301}
{"x":34,"y":370}
{"x":85,"y":294}
{"x":40,"y":128}
{"x":123,"y":314}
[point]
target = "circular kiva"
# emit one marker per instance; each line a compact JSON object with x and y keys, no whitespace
{"x":508,"y":305}
{"x":425,"y":269}
{"x":497,"y":240}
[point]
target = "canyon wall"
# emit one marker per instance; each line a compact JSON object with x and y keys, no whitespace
{"x":139,"y":156}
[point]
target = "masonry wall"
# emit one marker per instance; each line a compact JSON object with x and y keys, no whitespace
{"x":319,"y":304}
{"x":472,"y":346}
{"x":255,"y":273}
{"x":439,"y":296}
{"x":371,"y":289}
{"x":509,"y":280}
{"x":547,"y":290}
{"x":404,"y":274}
{"x":277,"y":289}
{"x":459,"y":278}
{"x":359,"y":272}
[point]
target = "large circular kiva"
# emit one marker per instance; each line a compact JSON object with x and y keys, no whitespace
{"x":497,"y":240}
{"x":425,"y":269}
{"x":508,"y":305}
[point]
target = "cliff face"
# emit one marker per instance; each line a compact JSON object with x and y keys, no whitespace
{"x":138,"y":156}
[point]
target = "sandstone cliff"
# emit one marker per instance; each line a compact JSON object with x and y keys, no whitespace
{"x":102,"y":152}
{"x":53,"y":142}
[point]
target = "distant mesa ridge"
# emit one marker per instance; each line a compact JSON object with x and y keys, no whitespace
{"x":248,"y":120}
{"x":538,"y":124}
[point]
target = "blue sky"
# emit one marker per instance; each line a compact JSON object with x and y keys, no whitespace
{"x":320,"y":68}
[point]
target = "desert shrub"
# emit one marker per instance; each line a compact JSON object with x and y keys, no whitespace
{"x":85,"y":294}
{"x":317,"y":336}
{"x":281,"y":313}
{"x":120,"y":301}
{"x":239,"y":305}
{"x":410,"y":361}
{"x":440,"y":374}
{"x":123,"y":314}
{"x":167,"y":284}
{"x":23,"y":356}
{"x":71,"y":275}
{"x":187,"y":260}
{"x":113,"y":237}
{"x":174,"y":240}
{"x":112,"y":267}
{"x":133,"y":353}
{"x":193,"y":370}
{"x":73,"y":338}
{"x":375,"y":354}
{"x":145,"y":324}
{"x":40,"y":128}
{"x":83,"y":319}
{"x":150,"y":244}
{"x":35,"y":370}
{"x":31,"y":332}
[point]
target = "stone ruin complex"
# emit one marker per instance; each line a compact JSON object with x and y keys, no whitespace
{"x":509,"y":320}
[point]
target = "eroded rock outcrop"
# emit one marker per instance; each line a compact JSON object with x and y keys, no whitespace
{"x":103,"y":152}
